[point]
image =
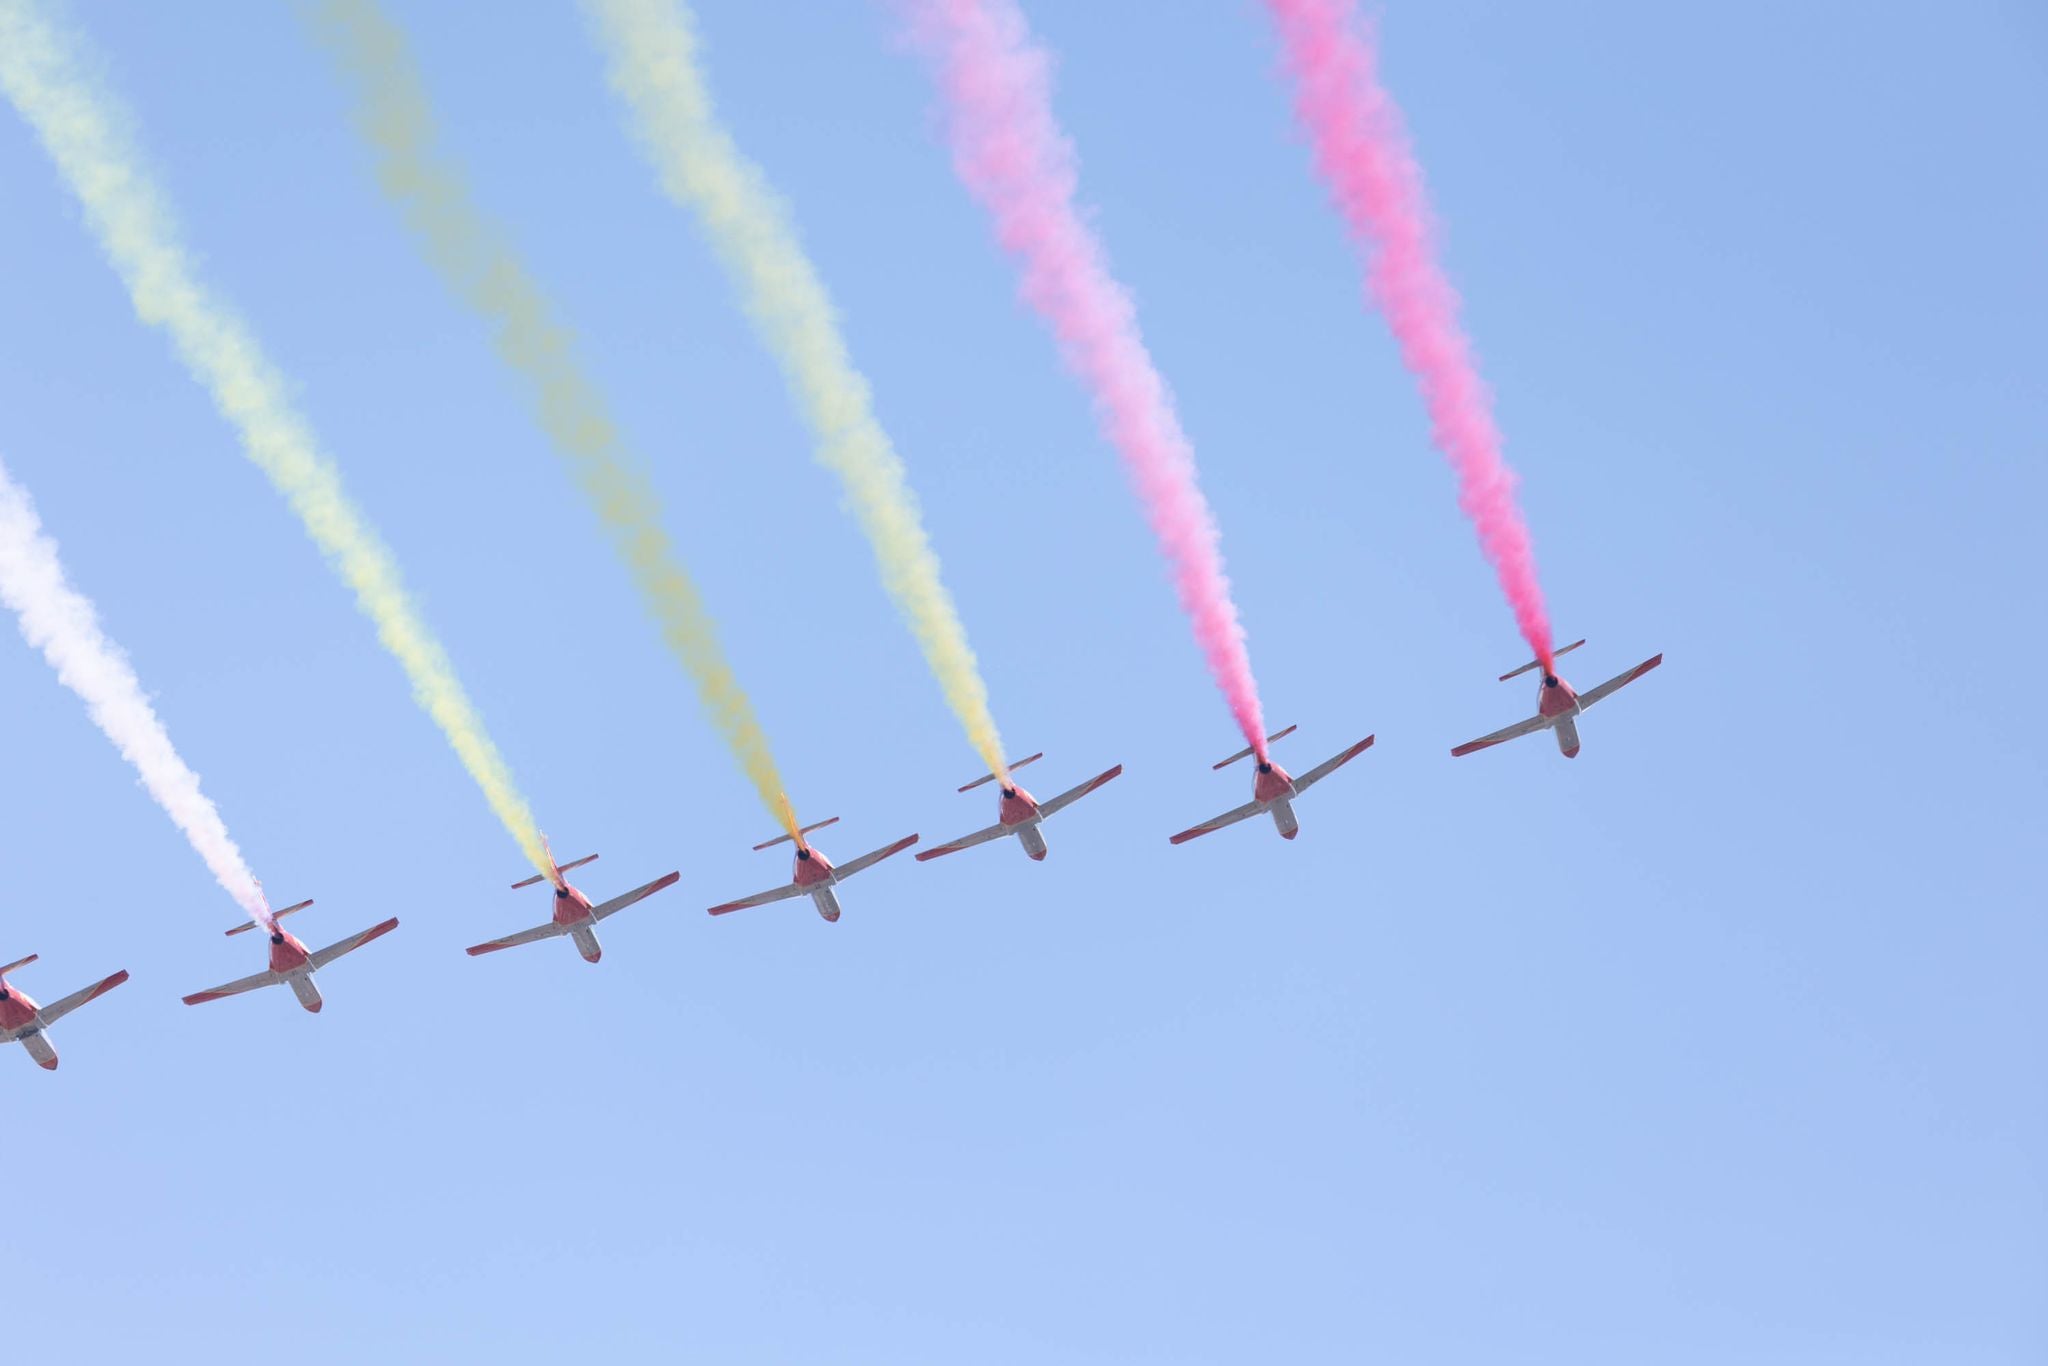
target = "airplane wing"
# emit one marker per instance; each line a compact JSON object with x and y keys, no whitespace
{"x":57,"y":1010}
{"x":512,"y":941}
{"x":1324,"y":770}
{"x":1588,"y":698}
{"x":1230,"y":817}
{"x":785,"y":891}
{"x":619,"y":903}
{"x":235,"y":988}
{"x":869,"y":860}
{"x":1516,"y":731}
{"x":322,"y":957}
{"x":1075,"y":794}
{"x":993,"y":832}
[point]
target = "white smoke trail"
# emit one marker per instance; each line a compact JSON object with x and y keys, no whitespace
{"x":60,"y":621}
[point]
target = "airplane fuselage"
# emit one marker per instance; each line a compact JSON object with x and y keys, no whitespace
{"x":1273,"y":788}
{"x":290,"y":960}
{"x":21,"y":1022}
{"x":814,"y":873}
{"x":1019,"y":811}
{"x":572,"y":912}
{"x":1558,"y":704}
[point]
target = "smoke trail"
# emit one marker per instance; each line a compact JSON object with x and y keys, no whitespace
{"x":1362,"y":150}
{"x":473,"y":256}
{"x":58,"y":620}
{"x":652,"y":52}
{"x":76,"y":122}
{"x":1009,"y":150}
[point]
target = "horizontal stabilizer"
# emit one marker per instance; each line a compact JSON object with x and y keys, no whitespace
{"x":1248,"y":750}
{"x":560,"y":868}
{"x":19,"y":963}
{"x":784,"y":839}
{"x":248,"y":925}
{"x":1512,"y":673}
{"x":990,"y":777}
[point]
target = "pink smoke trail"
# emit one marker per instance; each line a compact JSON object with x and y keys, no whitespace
{"x":1362,"y":151}
{"x":1010,"y":152}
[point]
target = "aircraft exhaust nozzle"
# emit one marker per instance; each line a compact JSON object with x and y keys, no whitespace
{"x":1248,"y":751}
{"x":990,"y":777}
{"x":785,"y":839}
{"x":1537,"y":663}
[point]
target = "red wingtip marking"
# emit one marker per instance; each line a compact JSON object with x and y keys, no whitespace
{"x":314,"y":1008}
{"x":1290,"y":834}
{"x":1035,"y":858}
{"x":199,"y":998}
{"x":49,"y":1066}
{"x":1572,"y":753}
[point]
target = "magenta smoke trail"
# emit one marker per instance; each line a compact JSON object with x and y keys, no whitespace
{"x":1362,"y":150}
{"x":1012,"y":156}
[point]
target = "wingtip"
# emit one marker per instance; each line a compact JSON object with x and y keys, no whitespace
{"x":47,"y":1064}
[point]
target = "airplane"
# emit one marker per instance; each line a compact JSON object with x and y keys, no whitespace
{"x":290,"y":962}
{"x":574,"y":915}
{"x":1558,"y":706}
{"x":1274,"y":790}
{"x":814,"y":876}
{"x":1019,"y":813}
{"x":23,"y":1021}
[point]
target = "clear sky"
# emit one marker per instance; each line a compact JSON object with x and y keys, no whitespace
{"x":1721,"y":1043}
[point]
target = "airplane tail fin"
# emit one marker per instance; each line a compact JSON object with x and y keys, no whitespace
{"x":990,"y":777}
{"x":19,"y":963}
{"x":248,"y":925}
{"x":1537,"y":663}
{"x":1248,"y":750}
{"x":784,"y":839}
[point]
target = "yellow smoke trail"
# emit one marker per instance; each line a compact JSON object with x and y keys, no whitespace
{"x":652,"y":53}
{"x":481,"y":267}
{"x":41,"y":73}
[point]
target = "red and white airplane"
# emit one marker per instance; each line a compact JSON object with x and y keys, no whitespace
{"x":574,"y":915}
{"x":814,"y":875}
{"x":1274,"y":790}
{"x":1019,"y":813}
{"x":291,"y":964}
{"x":1557,"y":706}
{"x":22,"y":1021}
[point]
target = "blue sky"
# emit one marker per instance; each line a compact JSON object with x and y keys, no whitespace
{"x":1723,"y":1042}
